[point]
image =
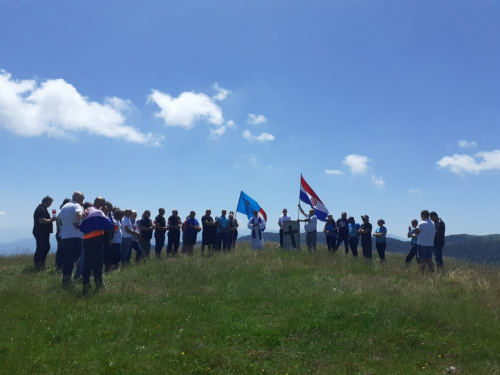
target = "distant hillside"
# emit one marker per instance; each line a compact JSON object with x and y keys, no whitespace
{"x":481,"y":249}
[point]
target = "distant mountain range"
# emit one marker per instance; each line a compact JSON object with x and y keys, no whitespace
{"x":481,"y":249}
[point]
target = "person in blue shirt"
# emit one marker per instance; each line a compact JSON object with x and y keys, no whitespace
{"x":353,"y":228}
{"x":330,"y":233}
{"x":413,"y":242}
{"x":381,"y":244}
{"x":221,"y":225}
{"x":192,"y":229}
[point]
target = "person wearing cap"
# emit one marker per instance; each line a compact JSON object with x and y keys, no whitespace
{"x":42,"y":228}
{"x":366,"y":237}
{"x":343,"y":232}
{"x":281,"y":219}
{"x":438,"y":239}
{"x":310,"y":226}
{"x":353,"y":236}
{"x":330,"y":231}
{"x":381,"y":235}
{"x":425,"y":232}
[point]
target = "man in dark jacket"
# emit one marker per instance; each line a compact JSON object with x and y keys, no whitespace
{"x":42,"y":228}
{"x":438,"y":238}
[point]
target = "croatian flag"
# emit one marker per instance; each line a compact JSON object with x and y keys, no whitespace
{"x":247,"y":205}
{"x":307,"y":195}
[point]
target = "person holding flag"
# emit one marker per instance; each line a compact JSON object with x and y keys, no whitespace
{"x":311,"y":228}
{"x":257,"y":225}
{"x":308,"y":196}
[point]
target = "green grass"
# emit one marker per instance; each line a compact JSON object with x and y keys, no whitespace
{"x":252,"y":312}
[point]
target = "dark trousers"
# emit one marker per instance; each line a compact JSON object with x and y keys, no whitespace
{"x":116,"y":255}
{"x":159,"y":243}
{"x":71,"y":249}
{"x":138,"y":251}
{"x":59,"y":254}
{"x":411,"y":255}
{"x":381,"y":250}
{"x":145,"y":244}
{"x":93,"y":261}
{"x":353,"y":244}
{"x":345,"y":239}
{"x":331,"y":243}
{"x":174,"y":239}
{"x":281,"y":237}
{"x":108,"y":256}
{"x":367,"y":249}
{"x":221,"y":240}
{"x":42,"y":248}
{"x":438,"y":256}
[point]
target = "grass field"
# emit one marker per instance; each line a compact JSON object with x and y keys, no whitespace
{"x":269,"y":312}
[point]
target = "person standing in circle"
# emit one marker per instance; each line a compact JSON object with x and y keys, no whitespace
{"x":366,"y":237}
{"x":381,"y":235}
{"x":42,"y":228}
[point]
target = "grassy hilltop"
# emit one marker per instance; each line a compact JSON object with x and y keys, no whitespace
{"x":269,"y":312}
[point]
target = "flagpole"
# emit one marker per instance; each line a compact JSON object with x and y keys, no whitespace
{"x":300,"y":185}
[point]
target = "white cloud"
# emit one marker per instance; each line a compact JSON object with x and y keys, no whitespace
{"x":253,"y":159}
{"x":256,"y":119}
{"x":357,"y":164}
{"x":230,"y":124}
{"x":378,"y":181}
{"x":187,"y":108}
{"x":465,"y":144}
{"x":415,"y":191}
{"x":57,"y":109}
{"x":263,"y":137}
{"x":222,"y":93}
{"x":217,"y":132}
{"x":2,"y":213}
{"x":333,"y":171}
{"x":482,"y":161}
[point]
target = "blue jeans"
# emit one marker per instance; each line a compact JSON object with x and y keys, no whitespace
{"x":424,"y":252}
{"x":353,"y":244}
{"x":126,"y":248}
{"x":138,"y":251}
{"x":438,"y":256}
{"x":79,"y":264}
{"x":311,"y":240}
{"x":345,"y":240}
{"x":71,"y":249}
{"x":221,"y":238}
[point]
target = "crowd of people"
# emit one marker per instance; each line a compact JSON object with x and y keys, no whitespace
{"x":98,"y":235}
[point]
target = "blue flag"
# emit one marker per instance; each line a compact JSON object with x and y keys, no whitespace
{"x":247,"y":205}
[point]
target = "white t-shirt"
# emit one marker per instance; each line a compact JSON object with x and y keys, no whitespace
{"x":69,"y":216}
{"x":312,"y":225}
{"x":284,"y":218}
{"x":427,"y":233}
{"x":126,"y":223}
{"x":117,"y":237}
{"x":135,"y":226}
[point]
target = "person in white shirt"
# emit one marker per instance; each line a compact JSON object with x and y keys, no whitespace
{"x":71,"y":238}
{"x":425,"y":241}
{"x":127,"y":233}
{"x":281,"y":219}
{"x":136,"y":225}
{"x":310,"y":226}
{"x":116,"y":253}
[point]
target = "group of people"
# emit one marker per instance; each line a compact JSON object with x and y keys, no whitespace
{"x":100,"y":235}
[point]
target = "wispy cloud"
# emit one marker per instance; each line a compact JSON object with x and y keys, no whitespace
{"x":230,"y":124}
{"x":222,"y":93}
{"x":415,"y":191}
{"x":465,"y":144}
{"x":55,"y":108}
{"x":358,"y":164}
{"x":263,"y":137}
{"x":256,"y":119}
{"x":217,"y":132}
{"x":333,"y":171}
{"x":378,"y":181}
{"x":188,"y":108}
{"x":482,"y":161}
{"x":256,"y":164}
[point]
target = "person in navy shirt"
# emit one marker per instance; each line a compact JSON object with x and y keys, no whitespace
{"x":366,"y":237}
{"x":381,"y":244}
{"x":353,"y":228}
{"x":343,"y":232}
{"x":330,"y":233}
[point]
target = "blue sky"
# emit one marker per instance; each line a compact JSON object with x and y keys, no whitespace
{"x":154,"y":104}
